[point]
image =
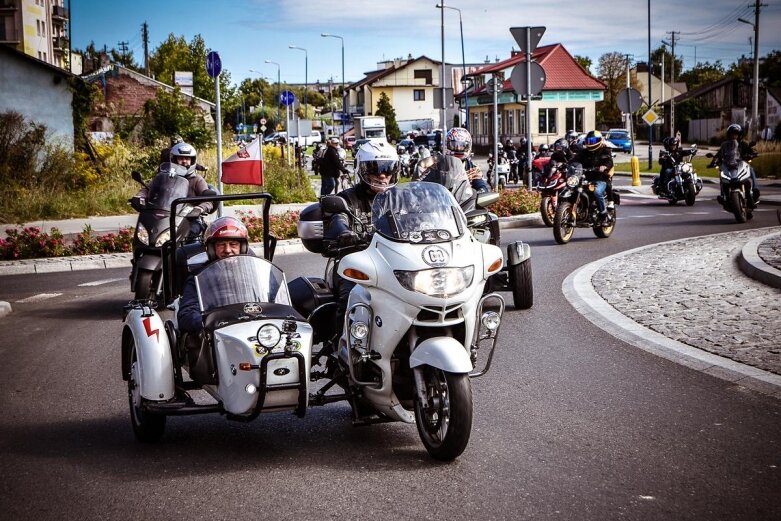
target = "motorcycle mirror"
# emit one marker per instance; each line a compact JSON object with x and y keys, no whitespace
{"x":136,"y":175}
{"x":486,"y":199}
{"x":201,"y":168}
{"x":709,"y":154}
{"x":333,"y":204}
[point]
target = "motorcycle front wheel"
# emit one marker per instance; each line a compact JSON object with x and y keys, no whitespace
{"x":689,"y":193}
{"x":521,"y":283}
{"x":144,"y":286}
{"x":147,"y":427}
{"x":738,"y":203}
{"x":445,"y":421}
{"x":563,"y":223}
{"x":547,"y":210}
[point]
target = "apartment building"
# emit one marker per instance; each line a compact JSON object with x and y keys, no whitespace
{"x":38,"y":28}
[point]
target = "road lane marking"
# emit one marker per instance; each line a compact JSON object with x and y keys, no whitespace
{"x":39,"y":297}
{"x":99,"y":282}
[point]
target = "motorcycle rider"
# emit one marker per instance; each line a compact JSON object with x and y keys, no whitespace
{"x":459,"y":145}
{"x":561,"y":146}
{"x":745,"y":150}
{"x":543,"y":151}
{"x":512,"y":156}
{"x":668,"y":158}
{"x":377,"y":170}
{"x":225,"y":237}
{"x":182,"y":154}
{"x":597,"y":161}
{"x":331,"y":167}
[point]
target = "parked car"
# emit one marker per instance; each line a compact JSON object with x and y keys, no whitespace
{"x":274,"y":137}
{"x":620,"y":138}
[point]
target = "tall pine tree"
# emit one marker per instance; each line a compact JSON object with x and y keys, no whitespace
{"x":386,"y":110}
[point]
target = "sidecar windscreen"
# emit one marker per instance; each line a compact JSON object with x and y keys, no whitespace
{"x":241,"y":279}
{"x":418,"y":212}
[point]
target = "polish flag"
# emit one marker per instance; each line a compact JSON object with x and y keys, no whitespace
{"x":244,"y":167}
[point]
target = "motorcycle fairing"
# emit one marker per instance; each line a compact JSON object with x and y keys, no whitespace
{"x":155,"y":365}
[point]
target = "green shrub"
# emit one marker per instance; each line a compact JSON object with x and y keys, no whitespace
{"x":31,"y":242}
{"x":517,"y":202}
{"x":281,"y":226}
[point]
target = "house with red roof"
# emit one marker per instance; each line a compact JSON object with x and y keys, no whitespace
{"x":568,"y":100}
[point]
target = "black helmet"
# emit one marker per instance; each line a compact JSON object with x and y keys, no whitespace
{"x":560,"y":144}
{"x":735,"y":129}
{"x":670,"y":143}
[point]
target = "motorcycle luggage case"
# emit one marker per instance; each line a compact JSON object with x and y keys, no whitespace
{"x":310,"y":228}
{"x":308,"y":293}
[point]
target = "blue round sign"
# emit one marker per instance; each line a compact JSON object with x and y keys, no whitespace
{"x":286,"y":98}
{"x":213,"y":64}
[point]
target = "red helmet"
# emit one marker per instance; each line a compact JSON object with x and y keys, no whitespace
{"x":226,"y":228}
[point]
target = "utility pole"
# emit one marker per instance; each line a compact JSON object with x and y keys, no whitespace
{"x":628,"y":57}
{"x":672,"y":81}
{"x":123,"y":48}
{"x":755,"y":84}
{"x":145,"y":36}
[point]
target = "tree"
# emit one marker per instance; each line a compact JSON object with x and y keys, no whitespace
{"x":612,"y":71}
{"x":584,"y":62}
{"x":669,"y":64}
{"x":126,"y":60}
{"x":386,"y":110}
{"x":168,"y":115}
{"x":703,"y":74}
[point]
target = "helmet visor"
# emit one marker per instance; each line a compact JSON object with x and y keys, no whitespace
{"x":458,"y":146}
{"x":377,"y":167}
{"x":593,"y":140}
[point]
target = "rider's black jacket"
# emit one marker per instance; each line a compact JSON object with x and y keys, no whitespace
{"x":359,"y":201}
{"x":591,"y":161}
{"x":331,"y":165}
{"x":668,"y":159}
{"x":746,"y":151}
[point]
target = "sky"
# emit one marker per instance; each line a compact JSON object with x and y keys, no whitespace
{"x":248,"y":32}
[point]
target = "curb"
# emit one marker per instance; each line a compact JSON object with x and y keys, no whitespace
{"x":753,"y":266}
{"x":5,"y":308}
{"x":580,"y":293}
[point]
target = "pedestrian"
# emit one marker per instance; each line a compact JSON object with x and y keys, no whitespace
{"x":331,"y":167}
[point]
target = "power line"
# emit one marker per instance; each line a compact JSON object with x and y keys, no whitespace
{"x":722,"y":22}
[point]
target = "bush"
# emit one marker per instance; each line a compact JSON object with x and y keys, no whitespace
{"x":31,"y":242}
{"x":517,"y":202}
{"x":281,"y":226}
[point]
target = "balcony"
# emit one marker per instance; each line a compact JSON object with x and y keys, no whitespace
{"x":60,"y":44}
{"x":8,"y":36}
{"x":59,"y":12}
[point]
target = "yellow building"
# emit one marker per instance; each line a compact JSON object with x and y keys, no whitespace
{"x":39,"y":28}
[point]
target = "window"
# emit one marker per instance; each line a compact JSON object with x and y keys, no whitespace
{"x":547,"y":121}
{"x":38,"y":27}
{"x":476,"y":123}
{"x":510,"y":122}
{"x":419,"y":94}
{"x":575,"y":119}
{"x":487,"y":130}
{"x":520,"y":117}
{"x":423,"y":74}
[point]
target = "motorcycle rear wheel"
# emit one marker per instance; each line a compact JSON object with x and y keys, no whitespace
{"x":563,"y":229}
{"x":547,"y":210}
{"x":445,"y":421}
{"x":603,"y":232}
{"x":738,"y":203}
{"x":689,"y":193}
{"x":147,"y":427}
{"x":521,"y":283}
{"x":144,"y":281}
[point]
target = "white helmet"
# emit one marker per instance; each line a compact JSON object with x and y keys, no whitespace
{"x":184,"y":150}
{"x":374,"y":158}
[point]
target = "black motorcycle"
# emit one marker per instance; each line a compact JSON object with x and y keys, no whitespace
{"x":578,"y":207}
{"x":153,"y":228}
{"x":684,"y":184}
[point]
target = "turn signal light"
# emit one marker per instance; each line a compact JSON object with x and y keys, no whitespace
{"x":245,"y":366}
{"x":495,"y":266}
{"x":355,"y":274}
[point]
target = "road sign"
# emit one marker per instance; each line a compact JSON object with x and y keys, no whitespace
{"x":286,"y":98}
{"x":213,"y":64}
{"x":629,"y":100}
{"x":262,"y":121}
{"x":492,"y":85}
{"x":518,"y":78}
{"x":263,"y":128}
{"x":650,"y":117}
{"x":255,"y":128}
{"x":519,"y":33}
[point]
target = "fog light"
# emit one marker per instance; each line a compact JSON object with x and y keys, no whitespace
{"x":251,"y":389}
{"x":359,"y":330}
{"x":490,"y":320}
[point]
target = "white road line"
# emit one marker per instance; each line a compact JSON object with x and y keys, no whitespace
{"x":98,"y":282}
{"x":699,"y":213}
{"x":39,"y":297}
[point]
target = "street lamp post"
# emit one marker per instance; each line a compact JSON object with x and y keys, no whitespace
{"x":306,"y":76}
{"x":344,"y":109}
{"x":279,"y":87}
{"x":463,"y":63}
{"x":755,"y":94}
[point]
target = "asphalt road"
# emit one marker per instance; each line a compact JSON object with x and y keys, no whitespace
{"x":570,"y":423}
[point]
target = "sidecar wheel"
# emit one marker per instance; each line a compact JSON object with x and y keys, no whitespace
{"x":445,"y":420}
{"x":147,"y":427}
{"x":521,"y":282}
{"x":563,"y":228}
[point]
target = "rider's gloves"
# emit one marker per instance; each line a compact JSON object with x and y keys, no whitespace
{"x":195,"y":213}
{"x":347,"y":238}
{"x":138,"y":203}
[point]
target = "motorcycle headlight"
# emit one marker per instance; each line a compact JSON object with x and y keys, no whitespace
{"x":686,"y":168}
{"x":437,"y":282}
{"x":162,"y":238}
{"x":573,"y":181}
{"x":359,"y":330}
{"x":142,"y":235}
{"x":268,"y":336}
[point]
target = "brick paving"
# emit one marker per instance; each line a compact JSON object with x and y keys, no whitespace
{"x":769,"y":251}
{"x":692,"y":291}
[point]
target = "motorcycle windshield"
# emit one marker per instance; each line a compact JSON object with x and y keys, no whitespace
{"x":730,"y":153}
{"x":418,"y":212}
{"x":168,"y":185}
{"x":240,"y":279}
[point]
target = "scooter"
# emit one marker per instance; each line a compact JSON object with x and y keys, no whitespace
{"x":254,"y":353}
{"x":153,"y":229}
{"x":737,"y":196}
{"x":417,"y":320}
{"x":498,"y":173}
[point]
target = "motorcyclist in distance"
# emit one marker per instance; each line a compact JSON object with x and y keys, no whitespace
{"x":182,"y":154}
{"x":449,"y":169}
{"x":597,"y":161}
{"x":668,"y":158}
{"x":543,"y":151}
{"x":561,"y":145}
{"x":745,"y":150}
{"x":225,"y":237}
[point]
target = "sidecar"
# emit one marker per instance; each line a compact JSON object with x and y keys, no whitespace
{"x":253,"y":355}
